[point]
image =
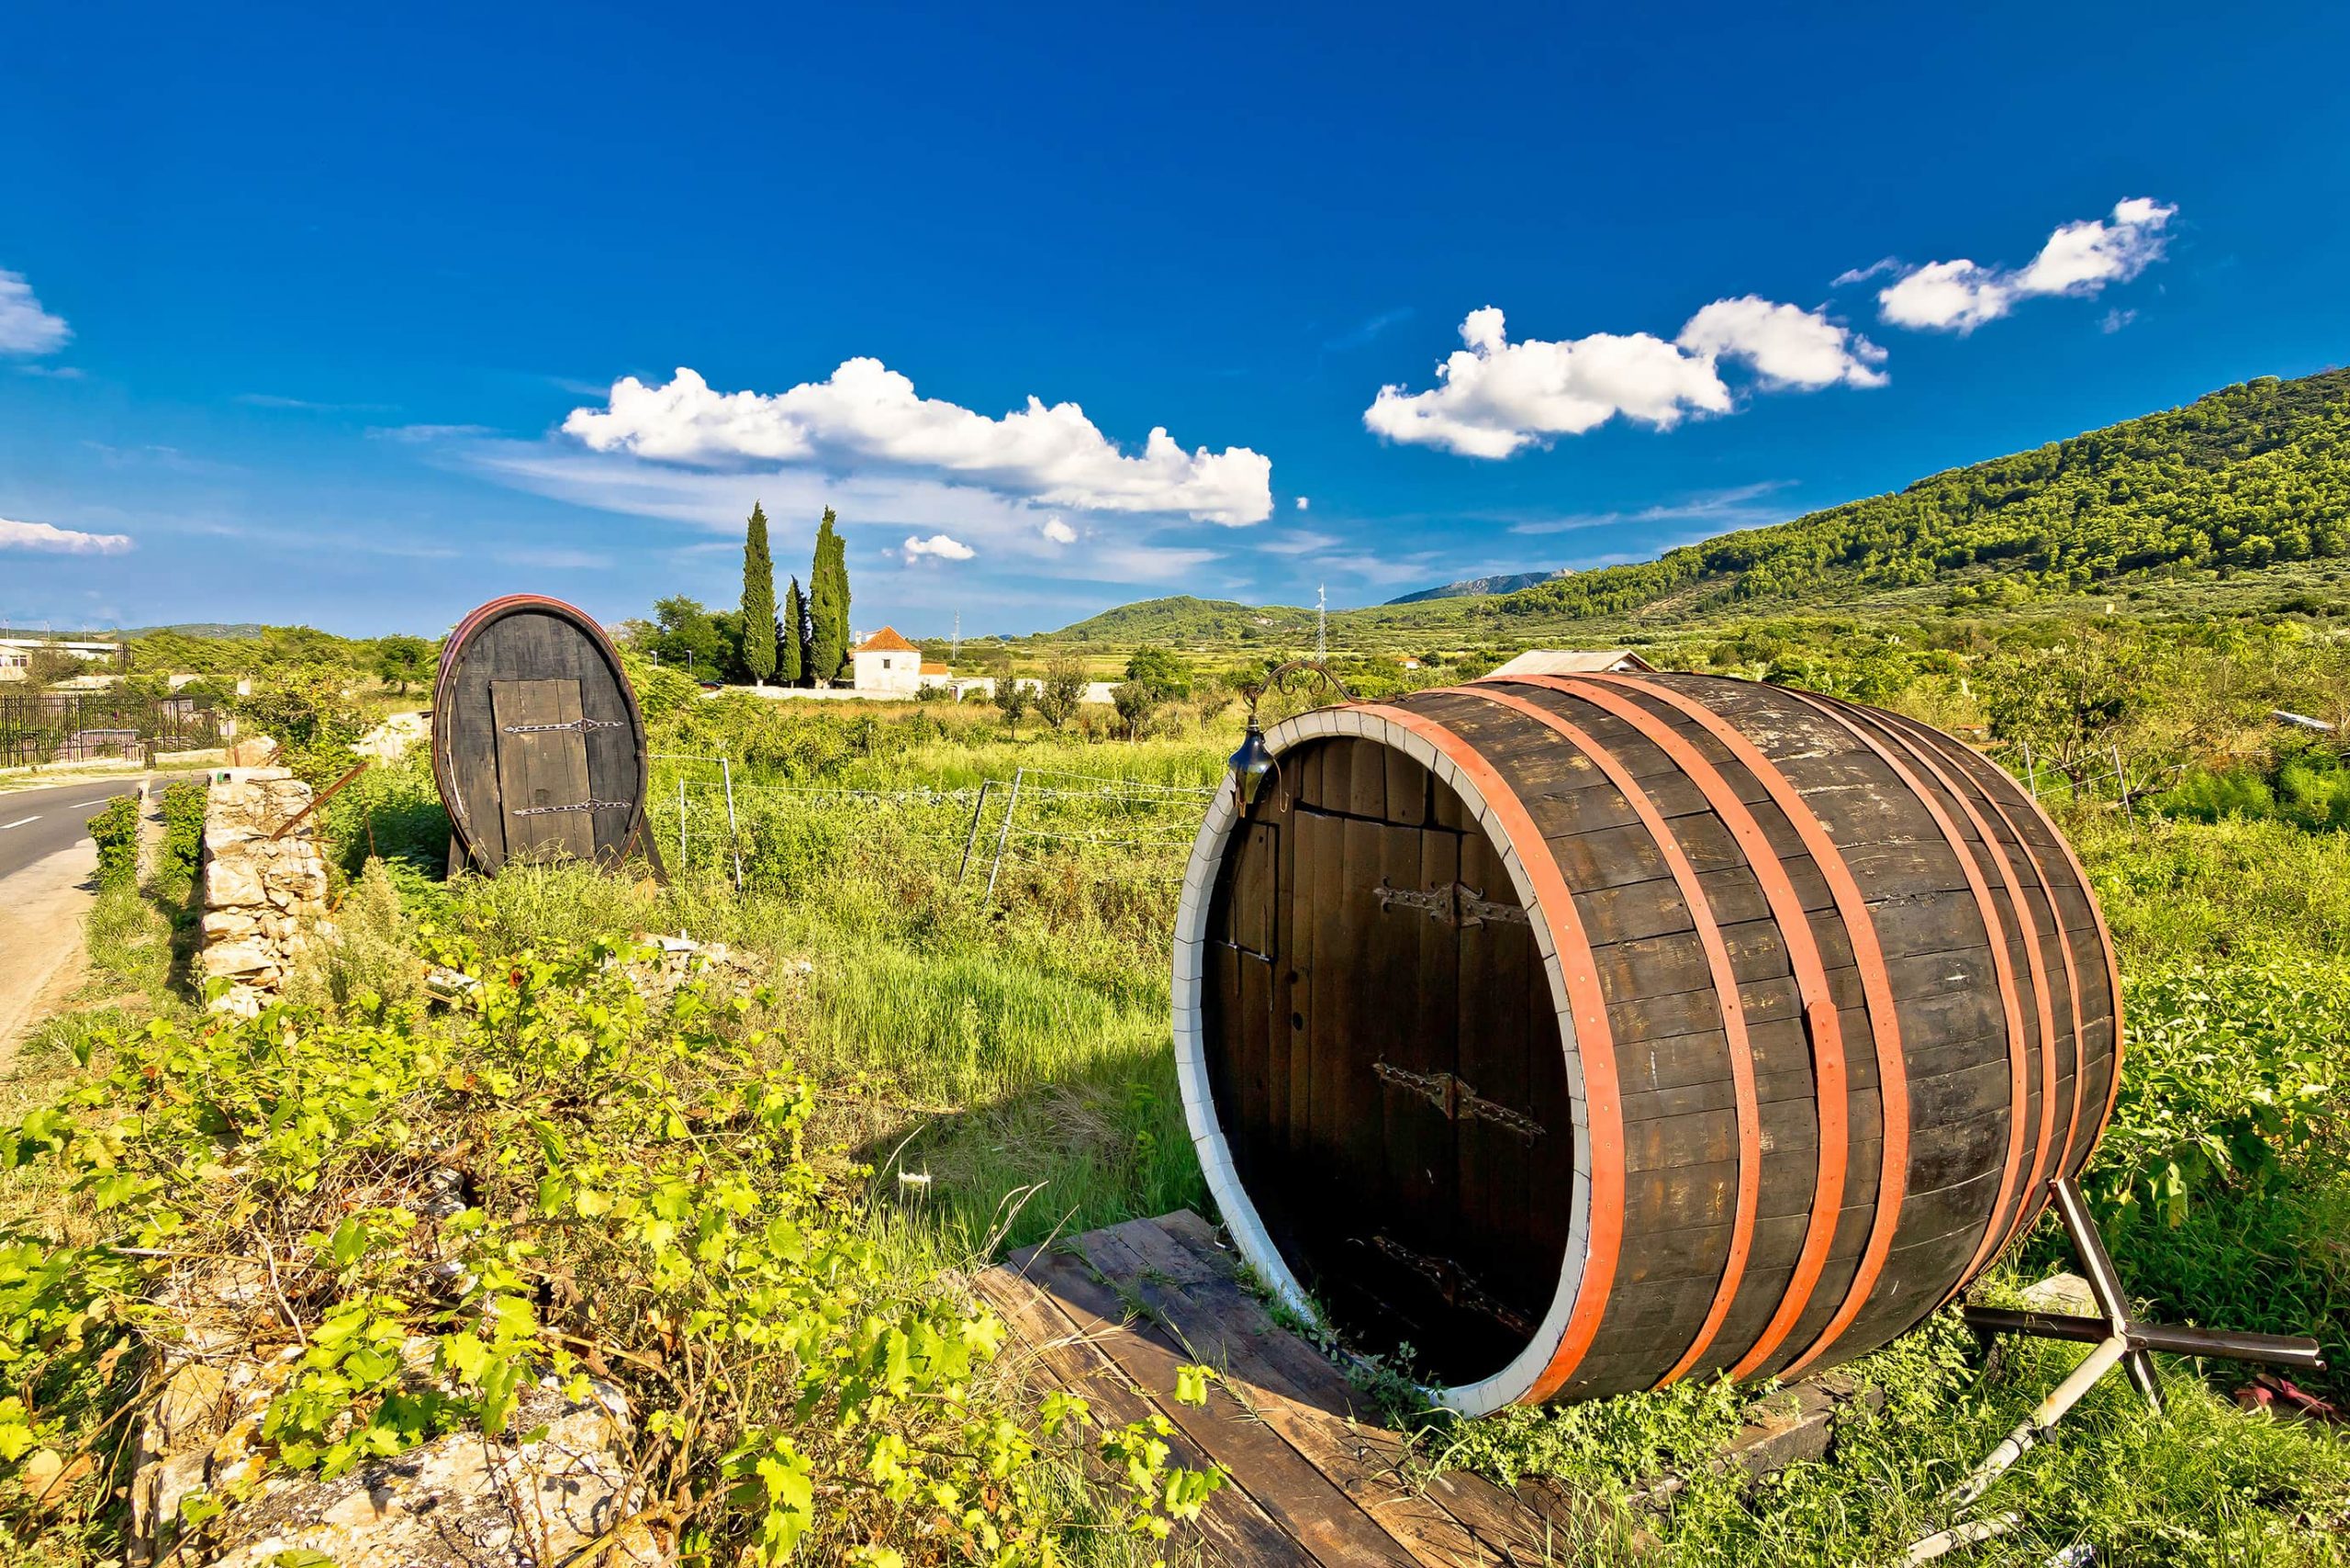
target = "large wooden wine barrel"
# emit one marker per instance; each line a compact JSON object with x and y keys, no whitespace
{"x":538,"y":745}
{"x":1585,"y":1033}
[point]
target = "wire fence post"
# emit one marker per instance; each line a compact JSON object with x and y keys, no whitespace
{"x":972,"y":837}
{"x":681,"y":824}
{"x":733,"y":829}
{"x":1004,"y":835}
{"x":2121,"y":788}
{"x":2031,"y":774}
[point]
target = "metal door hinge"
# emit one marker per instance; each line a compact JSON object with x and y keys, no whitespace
{"x":574,"y":806}
{"x":1452,"y":903}
{"x":1458,"y":1101}
{"x":1458,"y":1287}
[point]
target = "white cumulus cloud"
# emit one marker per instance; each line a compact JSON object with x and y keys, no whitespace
{"x":2078,"y":260}
{"x":25,"y":326}
{"x":867,"y":414}
{"x":1303,"y":504}
{"x":1786,"y":346}
{"x":1056,"y":531}
{"x":939,"y":547}
{"x":1496,"y":397}
{"x":53,"y":540}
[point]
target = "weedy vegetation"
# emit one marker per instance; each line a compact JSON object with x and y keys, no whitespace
{"x":749,"y":1207}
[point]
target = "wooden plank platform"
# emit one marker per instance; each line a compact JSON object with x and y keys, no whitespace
{"x":1317,"y":1475}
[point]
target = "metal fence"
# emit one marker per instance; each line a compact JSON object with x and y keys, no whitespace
{"x":42,"y":728}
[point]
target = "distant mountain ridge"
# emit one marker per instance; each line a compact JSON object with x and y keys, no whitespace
{"x":1477,"y":587}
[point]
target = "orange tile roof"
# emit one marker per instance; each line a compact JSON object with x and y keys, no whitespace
{"x":886,"y":641}
{"x":934,"y":666}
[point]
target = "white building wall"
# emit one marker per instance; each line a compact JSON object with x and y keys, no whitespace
{"x":886,"y":669}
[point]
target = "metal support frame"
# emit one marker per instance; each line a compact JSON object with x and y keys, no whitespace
{"x":2120,"y":1341}
{"x":1004,"y":835}
{"x":972,"y":837}
{"x":734,"y":828}
{"x":317,"y":801}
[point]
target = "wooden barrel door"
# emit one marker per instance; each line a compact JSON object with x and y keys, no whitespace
{"x":538,"y":745}
{"x":1397,"y":1146}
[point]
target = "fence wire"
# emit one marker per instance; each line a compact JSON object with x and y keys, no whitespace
{"x":1106,"y":827}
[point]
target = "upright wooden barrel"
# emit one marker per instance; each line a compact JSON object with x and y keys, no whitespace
{"x":538,"y":745}
{"x":1586,"y":1033}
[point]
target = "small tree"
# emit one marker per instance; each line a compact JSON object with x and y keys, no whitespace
{"x":758,"y":600}
{"x":1062,"y":688}
{"x":402,"y":661}
{"x":1210,"y":695}
{"x":1136,"y":701}
{"x":686,"y":636}
{"x":51,"y":664}
{"x":791,"y":637}
{"x":1156,"y":669}
{"x":1013,"y":697}
{"x":2069,"y":705}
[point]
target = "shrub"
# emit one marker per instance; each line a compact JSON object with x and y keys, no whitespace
{"x":2232,"y":1075}
{"x":312,"y":718}
{"x":115,"y":829}
{"x":635,"y":1180}
{"x":182,"y":838}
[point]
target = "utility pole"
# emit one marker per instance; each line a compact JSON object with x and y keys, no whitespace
{"x":955,"y":643}
{"x":1321,"y":622}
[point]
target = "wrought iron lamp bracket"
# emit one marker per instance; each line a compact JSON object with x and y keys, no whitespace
{"x":1253,"y":763}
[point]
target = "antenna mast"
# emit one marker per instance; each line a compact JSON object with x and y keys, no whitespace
{"x":1322,"y":621}
{"x":955,"y":644}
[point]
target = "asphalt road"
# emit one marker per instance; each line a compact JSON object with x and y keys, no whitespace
{"x":37,"y":823}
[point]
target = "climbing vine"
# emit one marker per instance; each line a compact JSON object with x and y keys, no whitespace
{"x":557,"y":1179}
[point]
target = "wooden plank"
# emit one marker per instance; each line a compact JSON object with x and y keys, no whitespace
{"x":1196,"y":1313}
{"x":1253,"y":881}
{"x":1416,"y":959}
{"x":1237,"y":1529}
{"x":1302,"y":1502}
{"x":1407,"y":789}
{"x":1498,"y":966}
{"x":540,"y":767}
{"x":1310,"y":837}
{"x":1366,"y":769}
{"x":1438,"y":1516}
{"x":1495,"y":1512}
{"x":1282,"y":979}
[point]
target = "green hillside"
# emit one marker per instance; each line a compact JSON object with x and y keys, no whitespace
{"x":1182,"y":619}
{"x":2248,"y":486}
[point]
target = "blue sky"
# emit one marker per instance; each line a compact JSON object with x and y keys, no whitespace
{"x":359,"y":322}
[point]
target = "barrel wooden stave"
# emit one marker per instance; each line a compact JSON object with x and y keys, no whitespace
{"x":1990,"y":979}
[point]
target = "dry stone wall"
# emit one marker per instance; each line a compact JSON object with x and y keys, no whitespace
{"x":264,"y":898}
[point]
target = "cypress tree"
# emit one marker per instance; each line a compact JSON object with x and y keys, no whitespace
{"x":828,"y":604}
{"x":758,"y":598}
{"x":791,"y":637}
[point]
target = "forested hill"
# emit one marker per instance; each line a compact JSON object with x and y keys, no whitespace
{"x":2244,"y":476}
{"x":1184,"y":618}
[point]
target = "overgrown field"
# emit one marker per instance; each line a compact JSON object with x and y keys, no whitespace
{"x":983,"y":1067}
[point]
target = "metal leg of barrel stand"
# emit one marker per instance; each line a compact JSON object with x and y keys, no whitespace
{"x":2119,"y":1338}
{"x":2105,"y":1286}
